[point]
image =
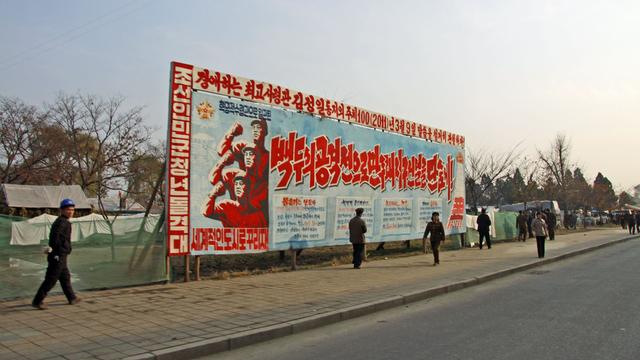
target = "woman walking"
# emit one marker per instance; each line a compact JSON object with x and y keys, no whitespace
{"x":539,"y":228}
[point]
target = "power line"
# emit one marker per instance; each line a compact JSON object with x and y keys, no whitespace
{"x":70,"y":35}
{"x":63,"y":34}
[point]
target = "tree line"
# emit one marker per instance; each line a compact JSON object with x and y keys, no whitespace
{"x":92,"y":141}
{"x":103,"y":146}
{"x":551,"y":174}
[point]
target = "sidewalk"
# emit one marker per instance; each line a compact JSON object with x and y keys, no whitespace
{"x":184,"y":320}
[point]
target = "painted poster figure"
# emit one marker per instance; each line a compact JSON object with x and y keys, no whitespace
{"x":236,"y":212}
{"x":230,"y":151}
{"x":253,"y":161}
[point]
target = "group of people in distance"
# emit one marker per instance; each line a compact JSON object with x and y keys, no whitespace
{"x":631,"y":221}
{"x":524,"y":223}
{"x":541,"y":226}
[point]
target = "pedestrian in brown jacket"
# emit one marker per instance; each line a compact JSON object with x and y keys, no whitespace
{"x":436,"y":229}
{"x":539,"y":227}
{"x":357,"y":229}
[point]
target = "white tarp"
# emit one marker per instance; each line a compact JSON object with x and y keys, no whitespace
{"x":471,"y":221}
{"x":35,"y":231}
{"x":126,"y":224}
{"x":632,"y":207}
{"x":32,"y":231}
{"x":86,"y":226}
{"x":43,"y":196}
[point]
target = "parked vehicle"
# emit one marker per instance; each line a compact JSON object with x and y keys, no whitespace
{"x":551,"y":205}
{"x":537,"y":205}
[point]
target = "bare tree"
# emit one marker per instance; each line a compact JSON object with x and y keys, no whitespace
{"x":528,"y":187}
{"x":105,"y":138}
{"x":556,"y":163}
{"x":144,"y":167}
{"x":18,"y":132}
{"x":556,"y":159}
{"x":484,"y":168}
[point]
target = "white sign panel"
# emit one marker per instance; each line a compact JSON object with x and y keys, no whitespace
{"x":299,"y":218}
{"x":346,"y":209}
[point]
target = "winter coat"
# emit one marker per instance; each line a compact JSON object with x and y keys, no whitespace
{"x":357,"y":228}
{"x":539,"y":227}
{"x":436,"y":230}
{"x":484,"y":222}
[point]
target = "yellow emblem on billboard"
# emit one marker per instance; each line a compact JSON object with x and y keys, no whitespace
{"x":205,"y":110}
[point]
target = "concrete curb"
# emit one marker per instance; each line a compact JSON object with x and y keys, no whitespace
{"x":216,"y":345}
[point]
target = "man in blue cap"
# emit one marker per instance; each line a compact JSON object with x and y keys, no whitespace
{"x":57,"y":252}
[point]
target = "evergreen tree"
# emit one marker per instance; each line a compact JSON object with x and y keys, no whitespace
{"x":581,"y":193}
{"x":624,"y":198}
{"x":519,"y":187}
{"x":604,"y":197}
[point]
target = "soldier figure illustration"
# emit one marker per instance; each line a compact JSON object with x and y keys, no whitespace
{"x":247,"y":184}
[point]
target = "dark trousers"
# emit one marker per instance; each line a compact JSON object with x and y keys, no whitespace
{"x":632,"y":228}
{"x":358,"y":249}
{"x":523,"y":233}
{"x":435,"y":247}
{"x":57,"y":270}
{"x":485,"y":235}
{"x":552,"y":232}
{"x":540,"y":244}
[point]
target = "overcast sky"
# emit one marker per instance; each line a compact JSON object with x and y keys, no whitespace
{"x":498,"y":72}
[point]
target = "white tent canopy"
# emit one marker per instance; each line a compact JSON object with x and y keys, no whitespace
{"x":35,"y":231}
{"x":471,"y":221}
{"x":43,"y":196}
{"x":631,"y":207}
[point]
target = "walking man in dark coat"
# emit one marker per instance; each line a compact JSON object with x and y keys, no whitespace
{"x":521,"y":223}
{"x":637,"y":216}
{"x":436,"y":229}
{"x":357,"y":229}
{"x":631,"y":222}
{"x":58,"y":251}
{"x":484,"y":224}
{"x":551,"y":224}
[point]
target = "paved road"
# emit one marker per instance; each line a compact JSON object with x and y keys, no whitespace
{"x":160,"y":319}
{"x":587,"y":307}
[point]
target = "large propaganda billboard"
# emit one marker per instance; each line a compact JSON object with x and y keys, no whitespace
{"x":247,"y":174}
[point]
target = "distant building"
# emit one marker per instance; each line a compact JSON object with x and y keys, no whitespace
{"x":533,"y":205}
{"x":33,"y":200}
{"x":116,"y":206}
